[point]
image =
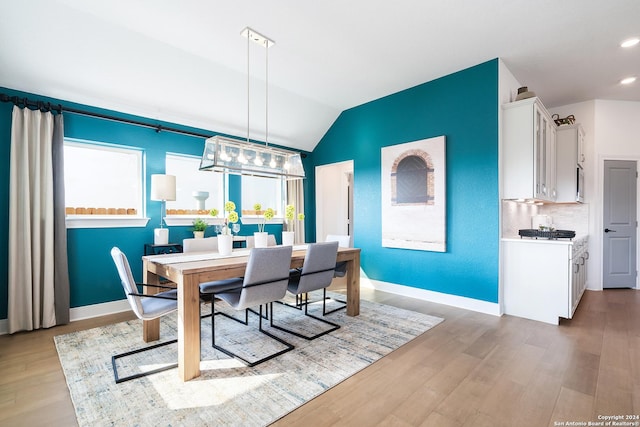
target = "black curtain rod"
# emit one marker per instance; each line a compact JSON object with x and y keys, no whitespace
{"x":59,"y":108}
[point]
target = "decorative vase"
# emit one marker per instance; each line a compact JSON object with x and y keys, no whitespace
{"x":288,"y":237}
{"x":198,"y":234}
{"x":225,"y":244}
{"x":260,"y":239}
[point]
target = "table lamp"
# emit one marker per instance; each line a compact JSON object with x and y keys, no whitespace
{"x":163,"y":189}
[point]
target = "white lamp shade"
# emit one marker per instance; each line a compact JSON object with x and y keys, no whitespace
{"x":163,"y":187}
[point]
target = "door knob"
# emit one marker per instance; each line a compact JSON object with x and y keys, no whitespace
{"x":607,"y":230}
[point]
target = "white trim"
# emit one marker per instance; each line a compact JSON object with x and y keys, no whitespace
{"x":105,"y":221}
{"x":596,"y":235}
{"x":431,"y":296}
{"x":257,"y":219}
{"x":103,"y":309}
{"x":174,"y":220}
{"x":84,"y":312}
{"x":97,"y":310}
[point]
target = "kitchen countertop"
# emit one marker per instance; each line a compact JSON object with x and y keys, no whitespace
{"x":576,"y":239}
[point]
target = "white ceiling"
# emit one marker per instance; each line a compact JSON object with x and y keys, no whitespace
{"x":185,"y":61}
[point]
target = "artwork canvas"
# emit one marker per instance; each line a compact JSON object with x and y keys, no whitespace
{"x":414,"y":195}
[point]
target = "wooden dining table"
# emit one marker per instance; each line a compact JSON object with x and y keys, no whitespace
{"x":187,"y":271}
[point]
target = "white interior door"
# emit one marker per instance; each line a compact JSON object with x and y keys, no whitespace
{"x":334,"y":199}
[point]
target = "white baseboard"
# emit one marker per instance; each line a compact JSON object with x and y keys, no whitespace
{"x":112,"y":307}
{"x":431,"y":296}
{"x":85,"y":312}
{"x":96,"y":310}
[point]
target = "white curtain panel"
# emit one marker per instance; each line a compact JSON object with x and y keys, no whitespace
{"x":31,"y":230}
{"x":295,"y":196}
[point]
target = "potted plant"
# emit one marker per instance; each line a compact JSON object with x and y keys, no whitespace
{"x":199,"y":227}
{"x":225,"y":238}
{"x":288,"y":236}
{"x":261,"y":237}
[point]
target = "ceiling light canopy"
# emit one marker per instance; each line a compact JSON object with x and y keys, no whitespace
{"x":628,"y":80}
{"x":230,"y":155}
{"x":630,"y":42}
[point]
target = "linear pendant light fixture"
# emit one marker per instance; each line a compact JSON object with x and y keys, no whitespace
{"x":231,"y":155}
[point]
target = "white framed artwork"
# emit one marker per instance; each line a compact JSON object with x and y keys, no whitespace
{"x":414,"y":195}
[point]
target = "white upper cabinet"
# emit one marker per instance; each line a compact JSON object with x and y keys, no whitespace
{"x":580,"y":136}
{"x":570,"y":154}
{"x":529,"y":151}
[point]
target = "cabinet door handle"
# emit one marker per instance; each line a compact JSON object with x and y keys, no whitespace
{"x":586,"y":254}
{"x":582,"y":260}
{"x":608,"y":230}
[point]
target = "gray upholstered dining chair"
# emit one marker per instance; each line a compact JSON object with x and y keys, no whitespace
{"x":265,"y":281}
{"x":145,"y":307}
{"x":316,"y":273}
{"x":206,"y":244}
{"x":344,"y":241}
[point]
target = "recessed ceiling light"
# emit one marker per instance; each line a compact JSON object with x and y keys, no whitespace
{"x":630,"y":42}
{"x":628,"y":80}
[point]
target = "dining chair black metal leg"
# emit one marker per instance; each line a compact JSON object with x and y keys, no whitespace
{"x":334,"y":326}
{"x":288,"y":346}
{"x":324,"y":305}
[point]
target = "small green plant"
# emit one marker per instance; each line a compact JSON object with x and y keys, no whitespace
{"x":199,"y":224}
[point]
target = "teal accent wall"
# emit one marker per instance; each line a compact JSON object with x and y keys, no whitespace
{"x":92,"y":274}
{"x":464,"y":108}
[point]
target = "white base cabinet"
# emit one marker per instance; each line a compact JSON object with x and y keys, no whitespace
{"x":543,"y":280}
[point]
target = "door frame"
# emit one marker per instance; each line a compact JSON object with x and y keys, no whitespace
{"x":596,"y":240}
{"x":322,"y":195}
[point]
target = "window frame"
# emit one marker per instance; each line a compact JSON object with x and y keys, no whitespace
{"x":249,"y":219}
{"x":187,"y":219}
{"x":111,"y":221}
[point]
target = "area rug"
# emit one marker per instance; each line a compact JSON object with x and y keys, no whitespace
{"x":227,"y":393}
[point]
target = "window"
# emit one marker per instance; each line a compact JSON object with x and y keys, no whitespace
{"x":103,"y":185}
{"x":266,"y":191}
{"x":190,"y":179}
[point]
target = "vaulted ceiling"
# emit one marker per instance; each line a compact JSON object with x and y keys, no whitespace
{"x":185,"y":61}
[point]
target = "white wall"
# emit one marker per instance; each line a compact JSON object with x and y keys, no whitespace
{"x":507,"y":85}
{"x":617,"y":137}
{"x":612,"y":131}
{"x":507,"y":90}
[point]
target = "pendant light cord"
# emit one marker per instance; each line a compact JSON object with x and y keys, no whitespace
{"x":248,"y":84}
{"x":266,"y":102}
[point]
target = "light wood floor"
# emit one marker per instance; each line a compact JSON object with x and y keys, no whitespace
{"x":471,"y":370}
